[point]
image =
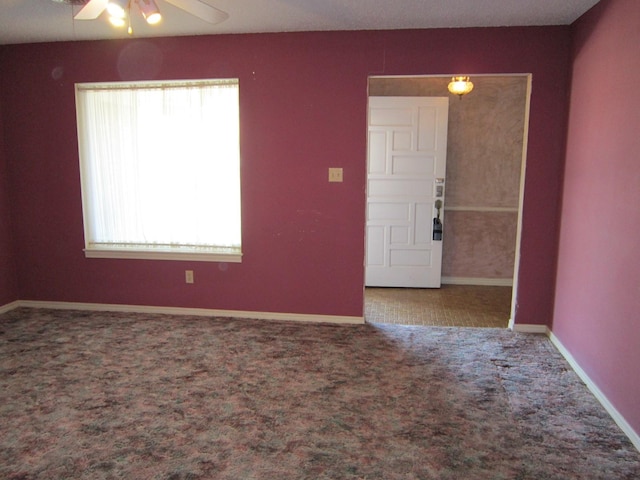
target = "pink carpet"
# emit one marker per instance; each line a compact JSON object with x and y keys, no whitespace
{"x":114,"y":395}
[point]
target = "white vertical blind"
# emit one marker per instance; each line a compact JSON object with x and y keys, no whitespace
{"x":160,"y":166}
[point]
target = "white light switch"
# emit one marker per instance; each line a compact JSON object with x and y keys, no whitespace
{"x":188,"y":276}
{"x":335,"y":174}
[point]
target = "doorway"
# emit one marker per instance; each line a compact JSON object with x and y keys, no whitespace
{"x":486,"y":157}
{"x":478,"y":306}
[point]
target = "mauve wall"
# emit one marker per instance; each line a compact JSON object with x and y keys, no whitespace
{"x":303,"y":109}
{"x":8,"y":287}
{"x":597,"y":308}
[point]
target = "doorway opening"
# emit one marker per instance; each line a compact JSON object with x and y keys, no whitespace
{"x":486,"y":156}
{"x":480,"y":306}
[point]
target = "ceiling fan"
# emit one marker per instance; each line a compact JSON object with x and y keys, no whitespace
{"x":119,"y":10}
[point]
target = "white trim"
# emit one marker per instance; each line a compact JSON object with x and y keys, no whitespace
{"x":601,"y":397}
{"x":528,"y":328}
{"x":482,"y":209}
{"x":453,"y":74}
{"x":204,"y":312}
{"x":9,"y":306}
{"x":523,"y":175}
{"x":496,"y":282}
{"x":156,"y":255}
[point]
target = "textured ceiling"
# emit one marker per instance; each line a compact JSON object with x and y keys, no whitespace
{"x":28,"y":21}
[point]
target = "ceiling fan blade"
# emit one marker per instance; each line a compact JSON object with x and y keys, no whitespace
{"x":200,"y":9}
{"x":91,"y":10}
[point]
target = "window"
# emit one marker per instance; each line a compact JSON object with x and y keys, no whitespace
{"x":160,"y":169}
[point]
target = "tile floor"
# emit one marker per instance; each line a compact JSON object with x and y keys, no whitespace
{"x":450,"y":306}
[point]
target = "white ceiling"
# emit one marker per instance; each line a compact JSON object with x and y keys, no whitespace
{"x":29,"y":21}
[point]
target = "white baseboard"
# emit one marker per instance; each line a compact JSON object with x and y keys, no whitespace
{"x":617,"y":417}
{"x":8,"y":307}
{"x":191,"y":311}
{"x":528,"y":328}
{"x":494,"y":282}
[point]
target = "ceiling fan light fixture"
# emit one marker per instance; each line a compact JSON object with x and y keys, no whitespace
{"x":150,"y":11}
{"x":460,"y":85}
{"x":117,"y":21}
{"x":119,"y":11}
{"x":154,"y":18}
{"x":117,"y":8}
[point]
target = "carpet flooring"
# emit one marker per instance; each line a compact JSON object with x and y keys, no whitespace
{"x":97,"y":395}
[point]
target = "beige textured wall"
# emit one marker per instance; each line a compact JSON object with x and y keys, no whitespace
{"x":484,"y":156}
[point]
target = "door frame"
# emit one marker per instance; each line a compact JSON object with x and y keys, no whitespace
{"x":523,"y":167}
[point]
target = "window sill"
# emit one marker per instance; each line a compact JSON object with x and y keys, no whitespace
{"x":160,"y":255}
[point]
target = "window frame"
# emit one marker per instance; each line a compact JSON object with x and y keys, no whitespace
{"x":149,"y":252}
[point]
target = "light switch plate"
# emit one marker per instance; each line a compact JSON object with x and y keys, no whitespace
{"x":335,"y":174}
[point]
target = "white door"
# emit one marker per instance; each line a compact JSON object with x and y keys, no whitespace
{"x":407,"y":151}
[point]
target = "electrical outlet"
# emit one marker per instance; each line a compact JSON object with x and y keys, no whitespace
{"x":188,"y":276}
{"x":335,"y":174}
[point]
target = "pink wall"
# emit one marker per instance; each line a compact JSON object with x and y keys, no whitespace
{"x":8,"y":284}
{"x":303,"y":109}
{"x":597,"y":306}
